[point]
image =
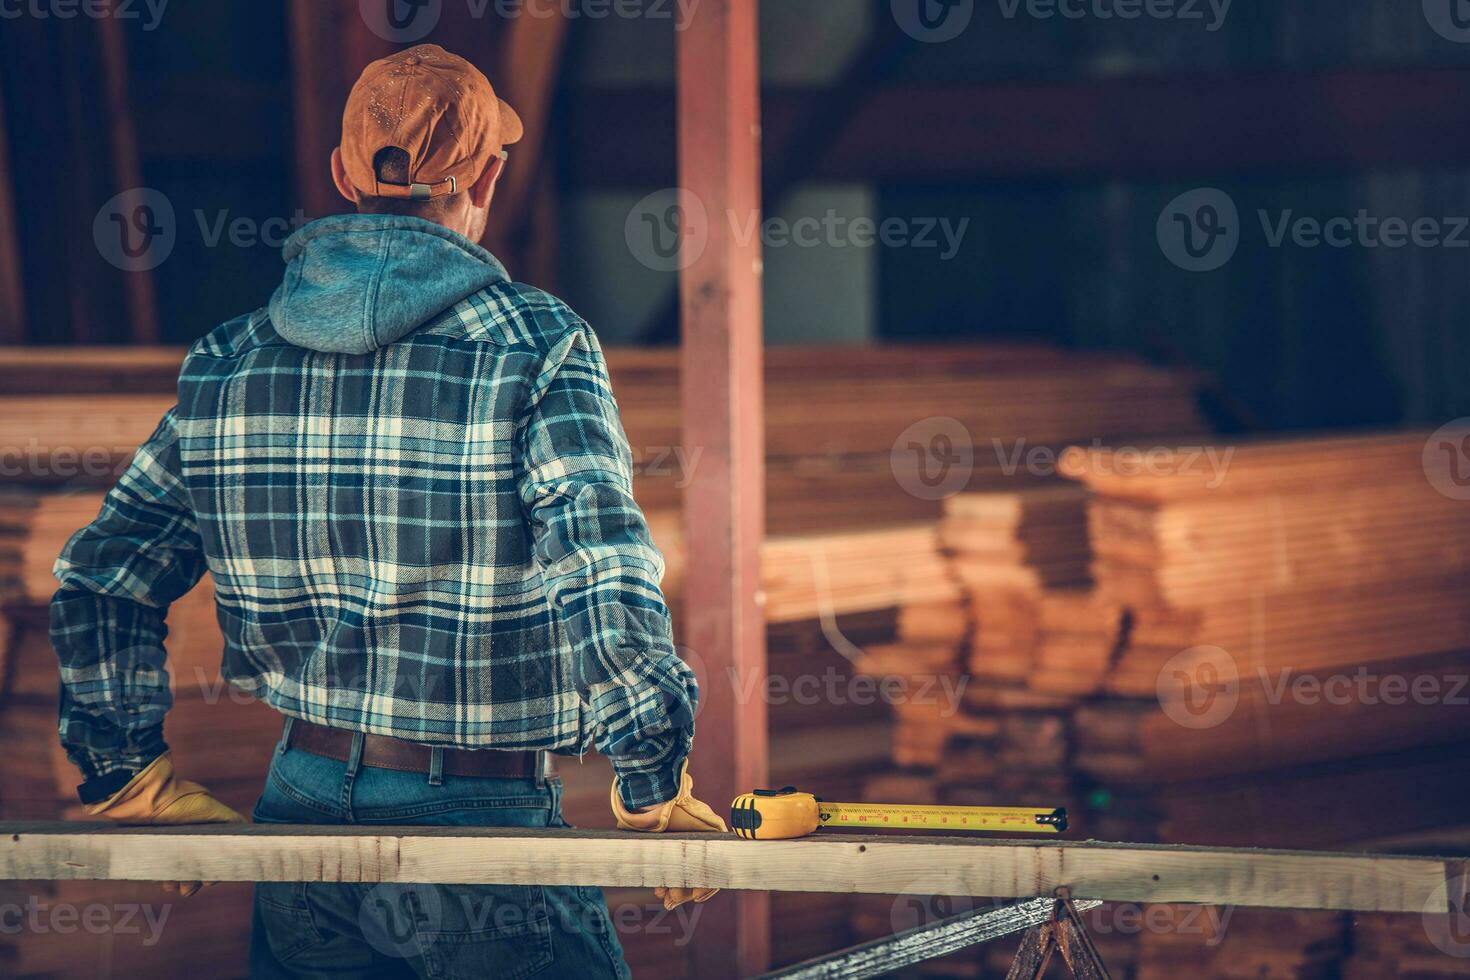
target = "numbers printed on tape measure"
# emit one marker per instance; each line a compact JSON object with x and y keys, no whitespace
{"x":1030,"y":820}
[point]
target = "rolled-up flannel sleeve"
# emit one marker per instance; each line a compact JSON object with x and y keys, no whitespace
{"x":603,"y":573}
{"x":118,"y":577}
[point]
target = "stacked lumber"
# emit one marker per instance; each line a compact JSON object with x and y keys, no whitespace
{"x":1023,"y":559}
{"x":1022,"y":562}
{"x":89,"y":370}
{"x":1238,"y":944}
{"x":1317,"y":584}
{"x":216,"y":734}
{"x":1426,"y":948}
{"x":817,"y":575}
{"x":16,"y":506}
{"x":986,"y":738}
{"x":1331,"y":577}
{"x":1132,"y":741}
{"x":1323,"y":583}
{"x":73,"y":418}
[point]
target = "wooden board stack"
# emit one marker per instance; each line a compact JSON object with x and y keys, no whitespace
{"x":217,"y":736}
{"x":1238,"y":944}
{"x":1427,"y":948}
{"x":1021,"y":561}
{"x":835,"y":418}
{"x":1326,"y":577}
{"x":1319,"y":585}
{"x":1281,"y":613}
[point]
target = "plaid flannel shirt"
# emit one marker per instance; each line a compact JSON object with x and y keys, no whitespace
{"x":436,"y":541}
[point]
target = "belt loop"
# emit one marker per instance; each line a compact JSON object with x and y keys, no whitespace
{"x":436,"y":765}
{"x":543,"y":769}
{"x":285,"y":743}
{"x":354,"y":762}
{"x":354,"y":757}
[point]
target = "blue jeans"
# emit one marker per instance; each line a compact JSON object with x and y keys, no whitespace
{"x":313,"y":929}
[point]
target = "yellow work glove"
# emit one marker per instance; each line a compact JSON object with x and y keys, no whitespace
{"x":157,"y":796}
{"x":681,"y":815}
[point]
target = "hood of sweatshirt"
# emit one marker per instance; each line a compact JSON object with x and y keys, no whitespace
{"x":357,"y":282}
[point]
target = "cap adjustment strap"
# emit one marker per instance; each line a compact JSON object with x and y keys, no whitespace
{"x":417,"y":191}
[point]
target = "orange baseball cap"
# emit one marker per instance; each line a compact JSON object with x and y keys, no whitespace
{"x":435,"y":106}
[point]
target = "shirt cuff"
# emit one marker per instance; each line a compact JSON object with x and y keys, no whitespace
{"x":648,"y":783}
{"x":104,"y":776}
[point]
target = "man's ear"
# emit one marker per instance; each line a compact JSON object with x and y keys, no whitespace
{"x":484,"y":188}
{"x":339,"y":177}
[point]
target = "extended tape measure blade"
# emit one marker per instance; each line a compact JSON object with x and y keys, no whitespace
{"x":999,"y":819}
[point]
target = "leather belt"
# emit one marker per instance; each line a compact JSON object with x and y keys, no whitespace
{"x":382,"y":752}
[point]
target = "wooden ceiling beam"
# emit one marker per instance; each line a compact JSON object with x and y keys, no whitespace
{"x":127,"y":169}
{"x":330,"y":46}
{"x":527,"y":74}
{"x":1156,"y":127}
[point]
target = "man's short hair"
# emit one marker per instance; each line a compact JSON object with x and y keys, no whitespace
{"x":391,"y":166}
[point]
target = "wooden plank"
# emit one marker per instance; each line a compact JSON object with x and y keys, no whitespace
{"x":863,"y":864}
{"x":723,"y":394}
{"x":76,"y":369}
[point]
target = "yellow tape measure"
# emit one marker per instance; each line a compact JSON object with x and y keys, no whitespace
{"x":786,"y":813}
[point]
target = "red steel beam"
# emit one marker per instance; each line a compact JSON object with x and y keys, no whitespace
{"x":722,"y":392}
